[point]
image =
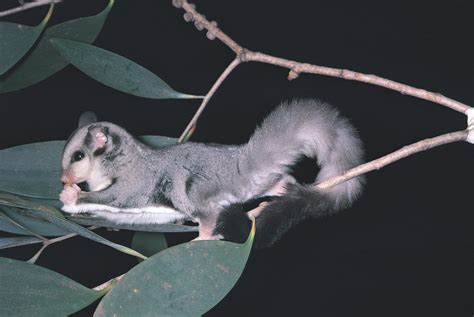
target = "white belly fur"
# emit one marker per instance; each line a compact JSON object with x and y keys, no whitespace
{"x":146,"y":215}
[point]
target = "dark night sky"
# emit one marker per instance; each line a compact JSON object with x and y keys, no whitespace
{"x":405,"y":249}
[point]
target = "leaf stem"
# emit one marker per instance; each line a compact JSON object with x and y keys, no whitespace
{"x":52,"y":241}
{"x":105,"y":287}
{"x":38,"y":253}
{"x":191,"y":125}
{"x":27,"y":6}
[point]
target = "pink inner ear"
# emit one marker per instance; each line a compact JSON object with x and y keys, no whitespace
{"x":99,"y":137}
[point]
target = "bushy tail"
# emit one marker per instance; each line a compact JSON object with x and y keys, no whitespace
{"x":316,"y":130}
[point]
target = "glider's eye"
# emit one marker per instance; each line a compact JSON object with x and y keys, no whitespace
{"x":77,"y":156}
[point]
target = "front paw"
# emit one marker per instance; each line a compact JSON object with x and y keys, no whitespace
{"x":70,"y":194}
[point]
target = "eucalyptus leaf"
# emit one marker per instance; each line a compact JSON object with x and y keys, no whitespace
{"x":17,"y":201}
{"x":115,"y":71}
{"x":156,"y":142}
{"x":38,"y":210}
{"x":7,"y":226}
{"x":17,"y":39}
{"x":30,"y":290}
{"x":32,"y":222}
{"x":84,"y":232}
{"x":184,"y":280}
{"x":24,"y":174}
{"x":11,"y":242}
{"x":43,"y":60}
{"x":56,"y":203}
{"x":148,"y":243}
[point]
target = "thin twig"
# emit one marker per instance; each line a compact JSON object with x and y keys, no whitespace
{"x":405,"y":151}
{"x":297,"y":68}
{"x":47,"y":243}
{"x":245,"y":55}
{"x":37,"y":254}
{"x":67,"y":236}
{"x":27,"y":6}
{"x":208,"y":96}
{"x":200,"y":19}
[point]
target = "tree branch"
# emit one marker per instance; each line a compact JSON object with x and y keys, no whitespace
{"x":245,"y":55}
{"x":395,"y":156}
{"x":297,"y":68}
{"x":27,"y":6}
{"x":211,"y":27}
{"x":381,"y":162}
{"x":190,"y":127}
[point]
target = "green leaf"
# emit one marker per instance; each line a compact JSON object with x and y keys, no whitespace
{"x":11,"y":242}
{"x":30,"y":290}
{"x":35,"y":224}
{"x":17,"y":39}
{"x":43,"y":60}
{"x":56,"y":203}
{"x":7,"y":225}
{"x":86,"y":233}
{"x":45,"y":212}
{"x":17,"y":201}
{"x":23,"y":174}
{"x":115,"y":71}
{"x":157,"y":141}
{"x":188,"y":279}
{"x":93,"y":220}
{"x":149,"y":243}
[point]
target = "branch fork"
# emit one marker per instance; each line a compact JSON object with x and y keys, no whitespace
{"x":295,"y":68}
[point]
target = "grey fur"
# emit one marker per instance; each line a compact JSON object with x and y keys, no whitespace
{"x":199,"y":181}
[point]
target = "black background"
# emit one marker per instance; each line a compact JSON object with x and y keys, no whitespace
{"x":405,"y":249}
